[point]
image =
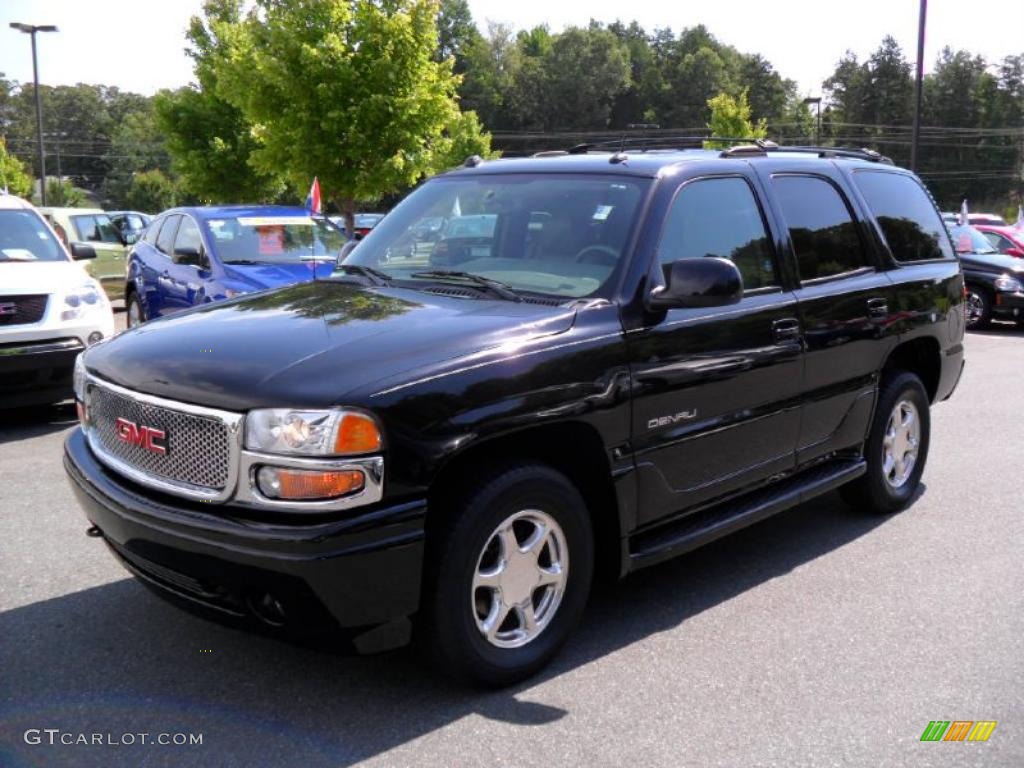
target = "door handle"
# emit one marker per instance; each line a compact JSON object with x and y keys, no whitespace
{"x":878,"y":309}
{"x":785,"y":329}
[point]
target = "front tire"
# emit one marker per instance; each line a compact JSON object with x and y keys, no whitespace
{"x":135,"y":314}
{"x":509,"y":571}
{"x":896,"y":449}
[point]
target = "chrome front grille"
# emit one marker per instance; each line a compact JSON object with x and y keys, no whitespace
{"x":201,"y":444}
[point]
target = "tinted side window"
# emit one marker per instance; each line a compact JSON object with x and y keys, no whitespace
{"x":911,"y":226}
{"x":165,"y":242}
{"x":824,"y":236}
{"x":719,"y":217}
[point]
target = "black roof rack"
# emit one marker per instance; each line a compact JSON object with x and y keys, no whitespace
{"x":764,"y":147}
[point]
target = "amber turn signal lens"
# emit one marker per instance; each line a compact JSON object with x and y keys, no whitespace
{"x":307,"y":484}
{"x":357,"y":434}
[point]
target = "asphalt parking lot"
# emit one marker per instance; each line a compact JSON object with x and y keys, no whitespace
{"x":820,"y":637}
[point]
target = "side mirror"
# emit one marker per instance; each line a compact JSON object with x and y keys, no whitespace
{"x":189,"y":255}
{"x":1018,"y":252}
{"x":357,"y":236}
{"x":691,"y":283}
{"x":346,"y":249}
{"x":81,"y":251}
{"x":130,"y":238}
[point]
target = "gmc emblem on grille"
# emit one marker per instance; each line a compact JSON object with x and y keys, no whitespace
{"x":8,"y":308}
{"x":142,"y":436}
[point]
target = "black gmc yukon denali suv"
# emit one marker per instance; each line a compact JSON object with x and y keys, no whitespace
{"x":532,"y":371}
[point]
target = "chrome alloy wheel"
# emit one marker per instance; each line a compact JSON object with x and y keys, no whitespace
{"x":520,"y":579}
{"x":975,"y":307}
{"x":134,"y":313}
{"x":900,"y":444}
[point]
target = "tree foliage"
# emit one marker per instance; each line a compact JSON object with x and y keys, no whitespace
{"x":13,"y":176}
{"x":730,"y":118}
{"x":151,"y":191}
{"x":61,"y":193}
{"x":351,"y":92}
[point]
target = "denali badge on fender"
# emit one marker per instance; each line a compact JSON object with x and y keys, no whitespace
{"x":142,"y":436}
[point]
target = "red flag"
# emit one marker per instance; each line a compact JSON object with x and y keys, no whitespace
{"x":313,"y":201}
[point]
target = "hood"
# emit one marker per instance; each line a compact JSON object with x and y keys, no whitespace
{"x":19,"y":277}
{"x":993,"y":262}
{"x":310,"y":344}
{"x":261,"y":276}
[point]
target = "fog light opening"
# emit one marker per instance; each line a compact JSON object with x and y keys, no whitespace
{"x":267,"y":609}
{"x":94,"y":337}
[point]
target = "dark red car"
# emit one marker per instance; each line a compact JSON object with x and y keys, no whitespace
{"x":1008,"y":240}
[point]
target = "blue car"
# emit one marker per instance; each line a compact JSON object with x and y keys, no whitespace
{"x":191,"y":256}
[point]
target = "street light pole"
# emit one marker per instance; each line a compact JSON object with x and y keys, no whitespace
{"x":915,"y":136}
{"x":31,"y":29}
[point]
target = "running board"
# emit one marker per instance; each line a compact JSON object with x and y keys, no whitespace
{"x":699,"y":528}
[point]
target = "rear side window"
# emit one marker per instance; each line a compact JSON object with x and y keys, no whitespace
{"x":165,"y":242}
{"x":720,"y":217}
{"x":910,"y":223}
{"x":821,"y":228}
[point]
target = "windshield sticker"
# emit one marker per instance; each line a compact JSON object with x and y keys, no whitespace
{"x":18,"y":254}
{"x":602,"y":212}
{"x":271,"y":240}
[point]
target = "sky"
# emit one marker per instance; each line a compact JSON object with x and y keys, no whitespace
{"x":138,"y":45}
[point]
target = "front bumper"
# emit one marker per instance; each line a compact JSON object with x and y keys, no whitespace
{"x":359,"y":574}
{"x":1008,"y":306}
{"x":37,"y":372}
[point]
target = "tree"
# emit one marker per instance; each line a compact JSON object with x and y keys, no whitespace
{"x":731,"y":118}
{"x":137,"y":145}
{"x":61,"y":193}
{"x":455,"y":32}
{"x":13,"y":176}
{"x":210,"y":141}
{"x":347,"y":91}
{"x":151,"y":191}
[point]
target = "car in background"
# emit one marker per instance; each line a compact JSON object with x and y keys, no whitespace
{"x":131,"y":224}
{"x":192,"y":256}
{"x":1008,"y":240}
{"x":361,"y":226}
{"x":94,"y":227}
{"x":50,"y":308}
{"x":994,"y":282}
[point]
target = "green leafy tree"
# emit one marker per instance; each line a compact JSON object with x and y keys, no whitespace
{"x":347,"y":91}
{"x":61,"y":193}
{"x":731,"y":118}
{"x":151,"y":191}
{"x":137,"y":145}
{"x":455,"y":32}
{"x":13,"y":176}
{"x":210,"y":141}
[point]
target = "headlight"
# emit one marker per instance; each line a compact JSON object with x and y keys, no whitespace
{"x":335,"y":432}
{"x":81,"y":300}
{"x":1007,"y":283}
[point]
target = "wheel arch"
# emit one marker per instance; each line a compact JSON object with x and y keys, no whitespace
{"x":573,"y":448}
{"x":921,"y":356}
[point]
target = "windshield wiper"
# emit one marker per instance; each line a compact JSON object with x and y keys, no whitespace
{"x":375,"y":276}
{"x":496,"y":287}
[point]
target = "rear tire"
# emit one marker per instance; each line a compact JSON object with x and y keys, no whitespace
{"x":509,"y":568}
{"x":979,"y":308}
{"x":896,"y":449}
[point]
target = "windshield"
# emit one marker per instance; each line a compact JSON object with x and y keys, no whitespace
{"x":24,"y":237}
{"x":969,"y":240}
{"x":273,"y":239}
{"x":548,"y":234}
{"x":96,"y":228}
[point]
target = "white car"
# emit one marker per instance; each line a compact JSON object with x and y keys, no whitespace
{"x":50,"y":308}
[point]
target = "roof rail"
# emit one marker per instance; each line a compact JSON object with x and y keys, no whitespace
{"x":551,"y":153}
{"x":657,"y":142}
{"x":764,"y":147}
